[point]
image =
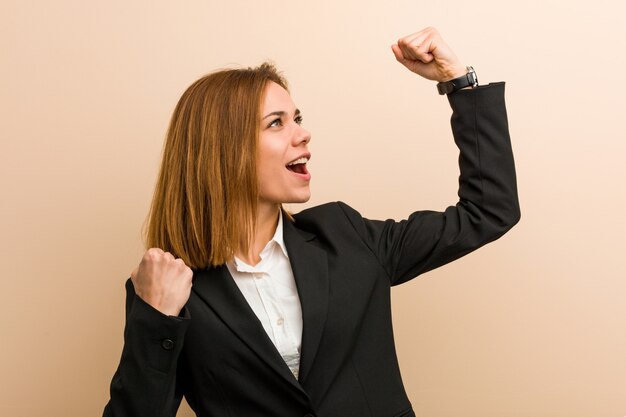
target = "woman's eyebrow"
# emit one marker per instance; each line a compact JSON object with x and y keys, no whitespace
{"x":280,"y":113}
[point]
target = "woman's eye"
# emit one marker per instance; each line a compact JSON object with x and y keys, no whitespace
{"x":279,"y":122}
{"x":275,"y":123}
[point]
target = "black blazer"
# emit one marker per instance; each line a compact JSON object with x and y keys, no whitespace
{"x":218,"y":355}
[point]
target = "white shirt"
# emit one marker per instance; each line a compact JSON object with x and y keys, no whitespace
{"x":270,"y":289}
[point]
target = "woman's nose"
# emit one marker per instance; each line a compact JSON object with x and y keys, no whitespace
{"x":303,"y":136}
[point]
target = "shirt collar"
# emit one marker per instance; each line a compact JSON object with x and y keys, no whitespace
{"x":277,"y":239}
{"x":278,"y":235}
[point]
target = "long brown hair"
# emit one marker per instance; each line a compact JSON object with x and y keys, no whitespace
{"x":205,"y":199}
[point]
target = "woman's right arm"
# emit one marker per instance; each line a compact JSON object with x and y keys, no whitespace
{"x":156,"y":321}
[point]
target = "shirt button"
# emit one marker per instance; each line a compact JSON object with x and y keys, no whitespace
{"x":167,"y":344}
{"x":280,"y":321}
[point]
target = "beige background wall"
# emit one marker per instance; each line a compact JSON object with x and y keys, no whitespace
{"x":533,"y":325}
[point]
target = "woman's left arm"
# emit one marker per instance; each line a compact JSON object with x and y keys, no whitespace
{"x":488,"y":205}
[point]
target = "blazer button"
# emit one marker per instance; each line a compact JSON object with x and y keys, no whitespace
{"x":167,"y":344}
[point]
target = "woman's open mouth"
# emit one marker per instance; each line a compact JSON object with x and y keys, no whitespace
{"x":299,"y":167}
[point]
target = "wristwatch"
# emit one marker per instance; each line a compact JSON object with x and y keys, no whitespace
{"x":467,"y":80}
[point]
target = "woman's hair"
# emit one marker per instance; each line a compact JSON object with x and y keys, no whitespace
{"x":204,"y":205}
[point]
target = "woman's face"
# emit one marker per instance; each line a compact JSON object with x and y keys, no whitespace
{"x":282,"y":151}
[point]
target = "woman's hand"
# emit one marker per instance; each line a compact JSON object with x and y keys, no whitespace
{"x":162,"y":281}
{"x":425,"y":53}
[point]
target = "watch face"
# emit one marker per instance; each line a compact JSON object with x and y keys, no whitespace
{"x":472,"y":77}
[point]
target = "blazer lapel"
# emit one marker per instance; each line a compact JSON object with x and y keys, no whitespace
{"x":310,"y":269}
{"x":218,"y":289}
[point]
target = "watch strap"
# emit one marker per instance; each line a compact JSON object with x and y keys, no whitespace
{"x":468,"y":80}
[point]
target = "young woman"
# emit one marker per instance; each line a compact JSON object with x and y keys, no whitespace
{"x":248,"y":311}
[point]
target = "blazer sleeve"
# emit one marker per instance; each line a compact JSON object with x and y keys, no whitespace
{"x":145,"y":381}
{"x":488,"y":204}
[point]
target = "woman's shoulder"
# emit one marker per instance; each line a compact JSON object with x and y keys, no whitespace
{"x":328,"y":216}
{"x":323,"y":212}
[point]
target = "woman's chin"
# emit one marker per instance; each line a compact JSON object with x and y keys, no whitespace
{"x":291,"y":198}
{"x":301,"y":198}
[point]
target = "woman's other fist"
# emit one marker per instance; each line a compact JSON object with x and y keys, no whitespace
{"x":162,"y":281}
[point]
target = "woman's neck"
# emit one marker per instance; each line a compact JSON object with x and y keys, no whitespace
{"x":266,"y":222}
